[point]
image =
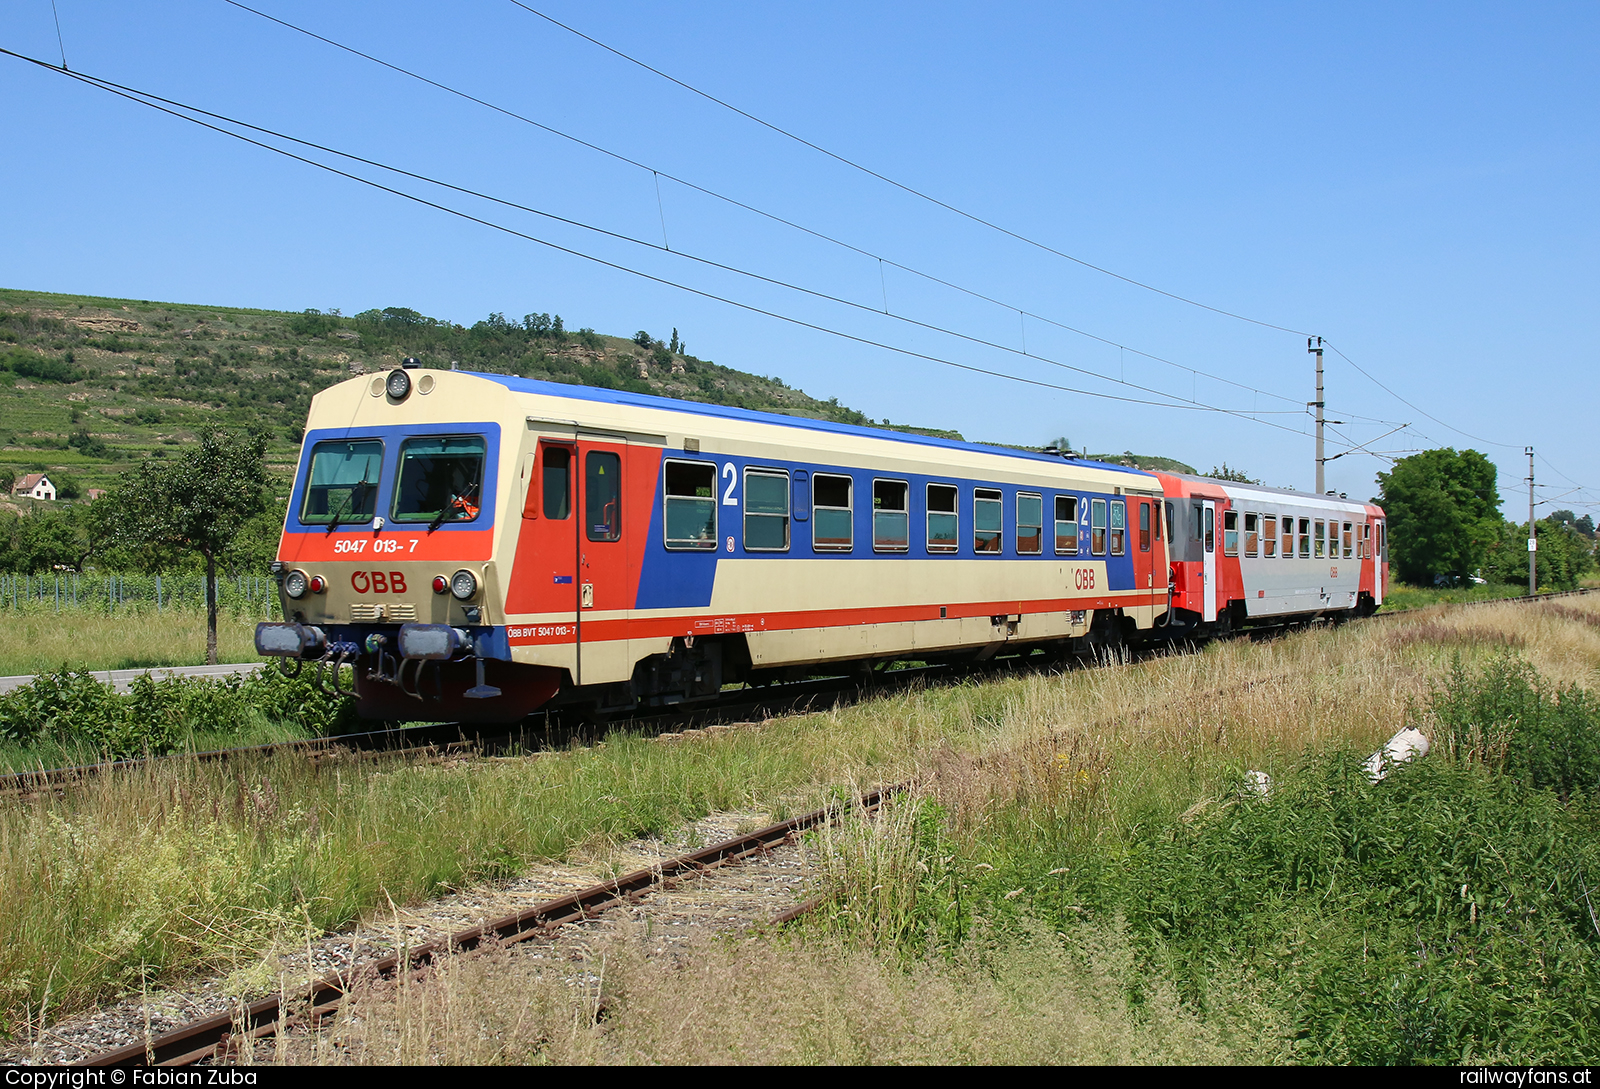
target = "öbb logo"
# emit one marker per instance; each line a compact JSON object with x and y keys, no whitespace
{"x":377,"y":582}
{"x":1083,"y":578}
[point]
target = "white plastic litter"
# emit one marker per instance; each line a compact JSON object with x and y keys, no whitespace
{"x":1258,"y":783}
{"x":1402,"y":748}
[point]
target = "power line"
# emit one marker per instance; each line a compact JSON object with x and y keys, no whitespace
{"x":900,"y":185}
{"x":153,"y":102}
{"x":1416,"y":408}
{"x":657,"y":174}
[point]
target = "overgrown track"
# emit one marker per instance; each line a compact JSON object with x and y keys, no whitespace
{"x":561,"y":726}
{"x":219,"y":1037}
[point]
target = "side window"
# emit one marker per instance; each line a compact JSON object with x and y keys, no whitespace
{"x":1030,"y":524}
{"x":1066,"y":525}
{"x":602,"y":495}
{"x":690,"y":504}
{"x":1144,"y":527}
{"x":1211,"y":529}
{"x":832,"y":513}
{"x":944,"y":530}
{"x":1288,"y":538}
{"x":1269,"y":537}
{"x":1347,"y":540}
{"x":988,"y":520}
{"x":1172,"y":517}
{"x":766,"y":510}
{"x":553,"y":497}
{"x":1097,"y":527}
{"x":1366,"y":541}
{"x":891,"y":516}
{"x":1383,"y":545}
{"x":1316,"y":536}
{"x":1252,"y":534}
{"x":1194,"y":521}
{"x":1230,"y":533}
{"x":1305,"y":538}
{"x":1119,"y":526}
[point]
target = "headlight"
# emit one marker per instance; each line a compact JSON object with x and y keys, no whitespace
{"x":464,"y":585}
{"x":398,"y":385}
{"x":294,"y":584}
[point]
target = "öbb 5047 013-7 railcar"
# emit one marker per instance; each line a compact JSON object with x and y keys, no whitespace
{"x":479,"y":546}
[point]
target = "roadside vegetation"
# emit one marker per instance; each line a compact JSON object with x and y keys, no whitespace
{"x":1079,"y":850}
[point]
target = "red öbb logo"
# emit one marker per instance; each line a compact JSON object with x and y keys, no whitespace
{"x":378,"y":582}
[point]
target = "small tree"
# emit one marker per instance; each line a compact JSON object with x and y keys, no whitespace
{"x":196,"y":505}
{"x":1237,"y":476}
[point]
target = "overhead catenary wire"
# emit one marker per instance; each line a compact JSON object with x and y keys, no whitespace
{"x":903,"y":187}
{"x":133,"y":96}
{"x":658,"y":174}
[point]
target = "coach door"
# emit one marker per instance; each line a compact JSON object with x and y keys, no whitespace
{"x":1208,"y":568}
{"x":544,"y":577}
{"x":603,"y":585}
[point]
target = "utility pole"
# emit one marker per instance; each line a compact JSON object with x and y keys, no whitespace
{"x":1533,"y":536}
{"x":1318,"y":403}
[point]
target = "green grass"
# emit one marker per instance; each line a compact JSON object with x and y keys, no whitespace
{"x":1402,"y":596}
{"x":38,"y":639}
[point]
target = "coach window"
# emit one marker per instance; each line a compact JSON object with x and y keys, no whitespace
{"x":1252,"y":534}
{"x":891,"y":518}
{"x":1194,"y":522}
{"x":1316,"y":536}
{"x":1066,"y":525}
{"x":1288,"y":538}
{"x":1269,"y":537}
{"x":1030,"y":524}
{"x":832,"y":526}
{"x":1365,"y":544}
{"x":1305,"y":538}
{"x":1347,"y":540}
{"x":766,"y":510}
{"x":1172,"y":517}
{"x":343,"y":482}
{"x":440,"y":479}
{"x":1230,"y":533}
{"x":1119,"y":527}
{"x":988,"y":520}
{"x":1097,"y":527}
{"x":602,"y":495}
{"x":690,"y":504}
{"x":944,"y":529}
{"x":1144,"y":526}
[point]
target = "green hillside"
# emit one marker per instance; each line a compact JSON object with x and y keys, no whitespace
{"x":92,"y":386}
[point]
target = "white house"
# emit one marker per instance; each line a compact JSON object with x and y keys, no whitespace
{"x":34,"y":486}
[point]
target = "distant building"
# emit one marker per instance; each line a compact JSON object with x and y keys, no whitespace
{"x":34,"y":486}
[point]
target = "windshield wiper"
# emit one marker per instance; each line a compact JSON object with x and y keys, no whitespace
{"x":457,"y":503}
{"x":358,"y":498}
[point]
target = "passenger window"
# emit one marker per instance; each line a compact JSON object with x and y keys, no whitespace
{"x":690,"y":504}
{"x":1230,"y":533}
{"x":343,"y":482}
{"x":1119,"y":527}
{"x":1097,"y":527}
{"x":1347,"y":539}
{"x":555,"y":484}
{"x":988,"y":520}
{"x":1366,"y":541}
{"x":1211,"y":529}
{"x":1030,"y":524}
{"x":439,"y":479}
{"x":602,"y":493}
{"x":1305,"y":538}
{"x":1194,"y":522}
{"x":1317,"y":537}
{"x":766,"y":510}
{"x":891,"y":518}
{"x":1067,"y":525}
{"x":1252,"y":534}
{"x":1172,"y":518}
{"x":1288,"y":538}
{"x":1269,"y":537}
{"x":832,"y":518}
{"x":944,"y":530}
{"x":1144,"y":526}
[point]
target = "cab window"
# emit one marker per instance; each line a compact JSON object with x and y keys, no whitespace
{"x":343,"y":482}
{"x":440,"y":480}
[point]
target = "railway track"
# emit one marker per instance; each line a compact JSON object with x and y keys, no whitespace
{"x":219,"y":1037}
{"x":445,"y":739}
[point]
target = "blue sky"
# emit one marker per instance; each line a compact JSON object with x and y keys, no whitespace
{"x":1414,"y":183}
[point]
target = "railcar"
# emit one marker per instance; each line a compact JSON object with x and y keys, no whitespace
{"x":480,"y":546}
{"x":1245,"y":555}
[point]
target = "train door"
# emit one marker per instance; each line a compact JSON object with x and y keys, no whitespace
{"x":1208,"y":571}
{"x":544,"y":575}
{"x":604,"y":588}
{"x":1380,"y":557}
